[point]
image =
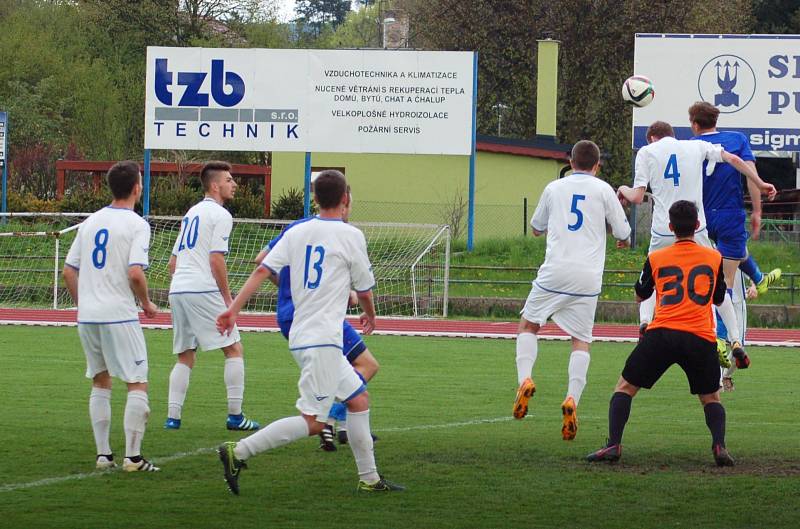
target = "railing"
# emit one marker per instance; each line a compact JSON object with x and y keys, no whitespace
{"x":793,"y":287}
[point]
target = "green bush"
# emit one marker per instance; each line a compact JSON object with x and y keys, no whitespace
{"x":84,"y":200}
{"x":27,"y":202}
{"x":247,"y":204}
{"x":289,"y":205}
{"x":168,"y":197}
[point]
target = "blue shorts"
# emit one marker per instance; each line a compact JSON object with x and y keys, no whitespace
{"x":353,"y":345}
{"x":726,"y":227}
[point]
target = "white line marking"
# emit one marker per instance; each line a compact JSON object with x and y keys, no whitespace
{"x":61,"y":479}
{"x":200,"y":451}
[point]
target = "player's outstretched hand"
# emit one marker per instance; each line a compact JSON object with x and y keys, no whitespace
{"x":225,"y":322}
{"x":621,"y":197}
{"x":367,"y":323}
{"x":150,"y":309}
{"x":770,"y":191}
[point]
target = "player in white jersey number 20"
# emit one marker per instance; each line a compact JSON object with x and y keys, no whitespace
{"x":199,"y":291}
{"x":674,"y":171}
{"x":104,"y":272}
{"x":573,"y":211}
{"x":327,"y":257}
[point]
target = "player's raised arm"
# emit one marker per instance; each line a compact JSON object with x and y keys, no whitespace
{"x":755,"y":215}
{"x":750,"y":172}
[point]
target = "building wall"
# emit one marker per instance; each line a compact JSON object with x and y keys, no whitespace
{"x":426,"y":189}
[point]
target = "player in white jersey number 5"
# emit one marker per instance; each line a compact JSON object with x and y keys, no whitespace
{"x":573,"y":211}
{"x":199,"y":292}
{"x":104,"y":272}
{"x":674,"y":171}
{"x":327,"y":257}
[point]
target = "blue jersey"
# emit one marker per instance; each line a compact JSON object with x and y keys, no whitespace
{"x":285,"y":310}
{"x":722,"y":189}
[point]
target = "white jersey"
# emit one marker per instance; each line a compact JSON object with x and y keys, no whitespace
{"x":205,"y":229}
{"x":574,"y":211}
{"x":327,"y":258}
{"x":674,"y":170}
{"x":108,"y":242}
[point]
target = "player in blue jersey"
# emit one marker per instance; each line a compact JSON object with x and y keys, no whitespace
{"x":723,"y":201}
{"x":354,"y":348}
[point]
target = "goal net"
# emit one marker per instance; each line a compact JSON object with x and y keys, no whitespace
{"x":410,"y":262}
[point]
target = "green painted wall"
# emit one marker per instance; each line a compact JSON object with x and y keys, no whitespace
{"x":424,"y":189}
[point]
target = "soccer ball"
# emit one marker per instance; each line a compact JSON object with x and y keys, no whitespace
{"x":638,"y":91}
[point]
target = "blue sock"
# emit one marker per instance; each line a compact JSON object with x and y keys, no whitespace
{"x":722,"y":331}
{"x":338,"y":411}
{"x":750,"y":267}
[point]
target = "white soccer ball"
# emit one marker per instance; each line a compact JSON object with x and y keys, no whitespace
{"x":638,"y":91}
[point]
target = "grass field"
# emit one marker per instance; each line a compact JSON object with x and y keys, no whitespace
{"x":441,"y":408}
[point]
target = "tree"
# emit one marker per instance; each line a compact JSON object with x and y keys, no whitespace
{"x":319,"y":14}
{"x":597,"y":38}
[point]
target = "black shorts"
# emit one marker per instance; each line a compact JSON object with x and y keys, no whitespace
{"x":660,"y":348}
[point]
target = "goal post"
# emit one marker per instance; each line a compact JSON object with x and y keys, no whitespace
{"x":410,"y":262}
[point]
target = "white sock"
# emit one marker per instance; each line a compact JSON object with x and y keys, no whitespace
{"x":578,"y":367}
{"x":100,"y":415}
{"x":234,"y":381}
{"x":360,"y":439}
{"x":275,"y":434}
{"x":646,"y":309}
{"x":527,"y":350}
{"x":728,"y":315}
{"x":136,"y":413}
{"x":178,"y":385}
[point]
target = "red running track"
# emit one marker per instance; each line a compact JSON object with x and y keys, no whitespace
{"x":404,"y":327}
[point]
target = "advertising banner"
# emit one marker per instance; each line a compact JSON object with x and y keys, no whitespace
{"x":357,"y":101}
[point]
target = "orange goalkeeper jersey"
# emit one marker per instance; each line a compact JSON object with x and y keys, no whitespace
{"x":686,"y":277}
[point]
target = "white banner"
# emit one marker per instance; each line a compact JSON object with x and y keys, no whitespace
{"x":359,"y":101}
{"x":754,"y":80}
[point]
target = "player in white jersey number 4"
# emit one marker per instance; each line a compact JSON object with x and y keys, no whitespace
{"x":327,"y":257}
{"x":199,"y":291}
{"x":674,"y":171}
{"x":104,"y":272}
{"x":573,"y":211}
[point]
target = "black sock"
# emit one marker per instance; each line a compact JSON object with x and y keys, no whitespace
{"x":715,"y":420}
{"x":619,"y":409}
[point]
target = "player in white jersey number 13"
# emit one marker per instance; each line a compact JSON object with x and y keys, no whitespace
{"x":327,"y":257}
{"x":199,"y":291}
{"x":674,"y":171}
{"x":104,"y":272}
{"x":573,"y":211}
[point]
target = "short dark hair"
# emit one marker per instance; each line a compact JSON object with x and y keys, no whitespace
{"x":683,"y":217}
{"x":704,"y":114}
{"x":122,"y":177}
{"x":585,"y":155}
{"x":660,"y":129}
{"x":210,"y":170}
{"x":329,"y":188}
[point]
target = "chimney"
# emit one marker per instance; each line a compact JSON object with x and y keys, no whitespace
{"x":546,"y":89}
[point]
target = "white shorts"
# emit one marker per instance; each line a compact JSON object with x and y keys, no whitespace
{"x":574,"y":314}
{"x":325,"y":376}
{"x":194,"y":322}
{"x":118,"y":348}
{"x":662,"y":241}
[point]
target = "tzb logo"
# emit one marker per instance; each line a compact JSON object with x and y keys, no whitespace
{"x":227,"y":88}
